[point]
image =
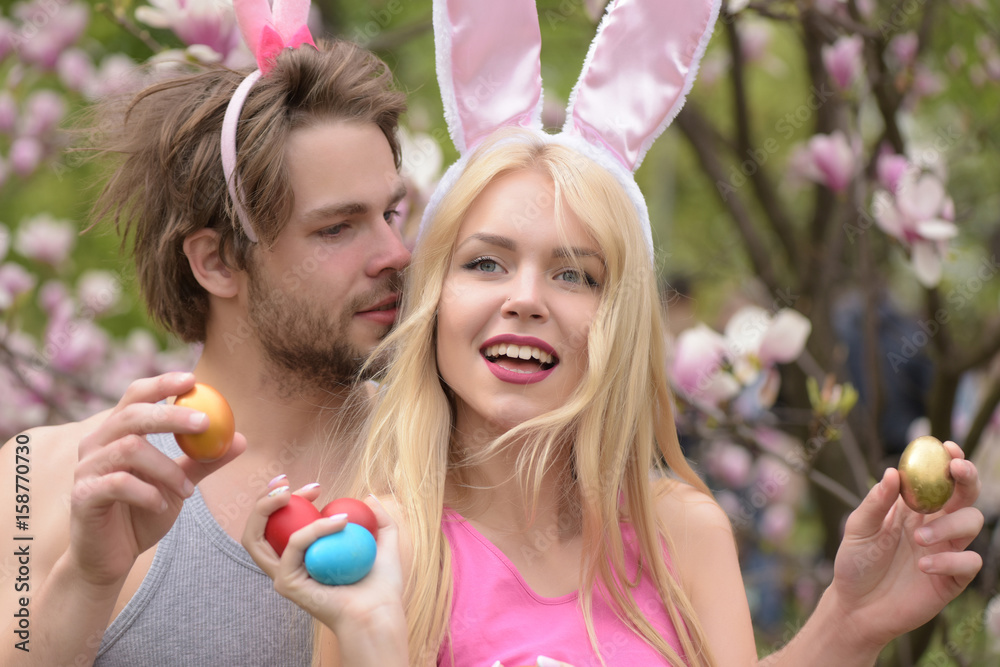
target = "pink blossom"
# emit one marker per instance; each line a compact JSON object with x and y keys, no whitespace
{"x":730,"y":463}
{"x":755,"y":38}
{"x":890,"y":168}
{"x":8,"y":112}
{"x":904,"y":48}
{"x":785,"y":338}
{"x":842,"y":60}
{"x":76,"y":70}
{"x":777,"y":522}
{"x":54,"y":299}
{"x":15,"y":279}
{"x":99,"y":291}
{"x":830,"y":160}
{"x":45,"y":239}
{"x":117,"y":74}
{"x":206,"y":22}
{"x":926,"y":82}
{"x":26,"y":154}
{"x":697,"y":367}
{"x":43,"y":112}
{"x":4,"y":241}
{"x":915,"y":216}
{"x":74,"y":345}
{"x":48,"y":29}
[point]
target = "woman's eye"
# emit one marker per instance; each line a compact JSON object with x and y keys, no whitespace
{"x":484,"y":264}
{"x":577,"y":277}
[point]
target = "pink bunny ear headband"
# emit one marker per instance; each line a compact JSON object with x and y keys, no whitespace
{"x":639,"y":69}
{"x":267,"y":32}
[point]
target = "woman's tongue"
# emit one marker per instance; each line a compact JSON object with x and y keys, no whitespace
{"x":519,"y":365}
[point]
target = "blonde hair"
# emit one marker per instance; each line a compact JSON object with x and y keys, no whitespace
{"x":618,"y":415}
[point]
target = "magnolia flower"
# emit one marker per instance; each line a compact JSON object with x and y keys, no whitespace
{"x":904,"y":48}
{"x":99,"y":291}
{"x":74,"y":345}
{"x":828,"y":159}
{"x":43,"y":112}
{"x":26,"y":154}
{"x":919,"y":215}
{"x":15,"y":280}
{"x":45,"y":239}
{"x":890,"y":169}
{"x":7,"y":34}
{"x":777,"y":522}
{"x":697,"y":369}
{"x":48,"y":30}
{"x":210,"y":23}
{"x":842,"y":60}
{"x":117,"y":74}
{"x":76,"y":70}
{"x":729,"y":463}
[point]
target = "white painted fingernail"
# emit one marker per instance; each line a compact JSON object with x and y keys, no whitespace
{"x":277,"y":492}
{"x":333,"y":518}
{"x":548,"y":662}
{"x":497,"y":664}
{"x":310,"y":487}
{"x":276,"y":479}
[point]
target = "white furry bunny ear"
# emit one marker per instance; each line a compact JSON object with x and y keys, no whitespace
{"x":639,"y":69}
{"x":488,"y":66}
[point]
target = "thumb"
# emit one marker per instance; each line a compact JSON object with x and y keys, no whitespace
{"x":869,"y":516}
{"x":197,"y":471}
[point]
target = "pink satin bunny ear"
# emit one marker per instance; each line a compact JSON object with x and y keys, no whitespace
{"x":639,"y":69}
{"x":267,"y":32}
{"x":488,"y":66}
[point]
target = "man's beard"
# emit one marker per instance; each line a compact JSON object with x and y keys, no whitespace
{"x":312,"y":345}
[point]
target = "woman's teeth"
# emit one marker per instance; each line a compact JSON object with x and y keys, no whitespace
{"x":518,"y":352}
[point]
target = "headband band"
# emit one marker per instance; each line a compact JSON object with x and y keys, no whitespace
{"x":267,"y":32}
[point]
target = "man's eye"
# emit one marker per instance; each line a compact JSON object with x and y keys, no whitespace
{"x":335,"y":230}
{"x":389,"y":216}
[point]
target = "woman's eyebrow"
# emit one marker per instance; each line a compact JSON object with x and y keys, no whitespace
{"x":491,"y":239}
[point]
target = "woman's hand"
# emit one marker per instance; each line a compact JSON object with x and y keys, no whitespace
{"x":896,"y":569}
{"x":367,"y":616}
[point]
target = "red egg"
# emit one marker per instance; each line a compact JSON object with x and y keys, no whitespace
{"x":298,"y":513}
{"x":214,"y":442}
{"x":356,"y":511}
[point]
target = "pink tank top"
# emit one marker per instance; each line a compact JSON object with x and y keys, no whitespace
{"x":496,"y":616}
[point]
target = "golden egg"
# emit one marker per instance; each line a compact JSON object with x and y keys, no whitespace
{"x":213,"y":443}
{"x":925,"y":479}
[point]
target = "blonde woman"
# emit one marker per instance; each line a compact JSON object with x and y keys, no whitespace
{"x":522,"y":437}
{"x":533,"y":517}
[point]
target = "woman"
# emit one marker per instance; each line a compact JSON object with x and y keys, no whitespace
{"x":522,"y":437}
{"x":540,"y":467}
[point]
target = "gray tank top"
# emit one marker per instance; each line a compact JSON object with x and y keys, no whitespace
{"x":205,"y":602}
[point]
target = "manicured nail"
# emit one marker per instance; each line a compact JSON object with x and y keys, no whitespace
{"x":310,"y":487}
{"x":497,"y":664}
{"x":375,"y":498}
{"x":334,"y":518}
{"x":198,"y":419}
{"x":276,"y":479}
{"x":277,"y":492}
{"x":548,"y":662}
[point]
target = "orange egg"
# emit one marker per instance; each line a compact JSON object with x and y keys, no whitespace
{"x":213,"y":443}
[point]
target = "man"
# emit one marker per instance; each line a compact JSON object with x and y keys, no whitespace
{"x":119,"y":575}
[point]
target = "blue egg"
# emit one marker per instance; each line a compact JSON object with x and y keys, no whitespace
{"x":341,"y":558}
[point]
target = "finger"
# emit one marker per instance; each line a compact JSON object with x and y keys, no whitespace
{"x":967,"y":483}
{"x":199,"y":470}
{"x":868,"y":518}
{"x":144,"y":418}
{"x":135,"y":455}
{"x":116,"y":487}
{"x":310,"y":492}
{"x":293,"y":558}
{"x":962,"y":565}
{"x":959,"y":528}
{"x":551,"y":662}
{"x":253,"y":539}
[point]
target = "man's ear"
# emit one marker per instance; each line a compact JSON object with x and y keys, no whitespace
{"x":202,"y":250}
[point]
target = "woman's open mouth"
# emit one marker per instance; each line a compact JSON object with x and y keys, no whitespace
{"x":520,"y":364}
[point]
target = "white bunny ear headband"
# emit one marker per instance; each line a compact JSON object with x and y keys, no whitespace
{"x":267,"y":31}
{"x":639,"y":69}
